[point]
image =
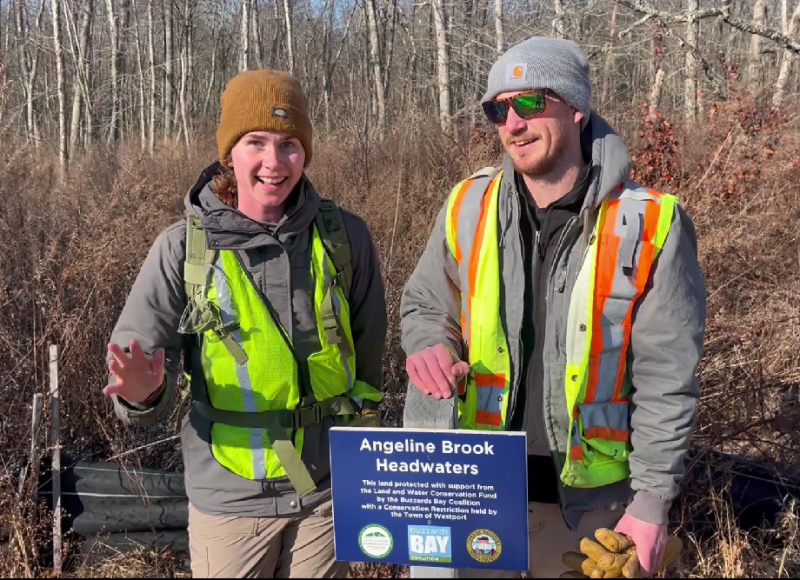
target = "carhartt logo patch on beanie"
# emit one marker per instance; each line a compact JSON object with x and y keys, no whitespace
{"x":544,"y":63}
{"x":263,"y":100}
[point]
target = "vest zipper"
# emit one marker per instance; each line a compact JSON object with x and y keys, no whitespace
{"x":545,"y":408}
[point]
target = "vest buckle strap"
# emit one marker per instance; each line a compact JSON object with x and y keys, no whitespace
{"x":298,"y":418}
{"x":304,"y":417}
{"x":224,"y":332}
{"x":330,"y":322}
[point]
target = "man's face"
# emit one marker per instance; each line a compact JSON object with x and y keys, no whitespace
{"x":536,"y":144}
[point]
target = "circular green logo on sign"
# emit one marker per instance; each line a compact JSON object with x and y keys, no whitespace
{"x":375,"y":541}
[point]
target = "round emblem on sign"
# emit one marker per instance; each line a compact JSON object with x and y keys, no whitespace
{"x":375,"y":541}
{"x":484,"y":546}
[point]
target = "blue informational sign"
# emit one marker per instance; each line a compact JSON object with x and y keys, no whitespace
{"x":419,"y":497}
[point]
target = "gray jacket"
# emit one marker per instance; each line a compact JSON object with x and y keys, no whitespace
{"x":278,"y":260}
{"x":666,"y":342}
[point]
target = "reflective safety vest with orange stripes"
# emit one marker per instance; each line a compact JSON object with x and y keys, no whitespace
{"x":631,"y":227}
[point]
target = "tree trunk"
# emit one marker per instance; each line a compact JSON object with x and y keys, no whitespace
{"x":88,"y":129}
{"x":213,"y":72}
{"x":786,"y":62}
{"x":141,"y":81}
{"x":151,"y":57}
{"x":655,"y":94}
{"x":125,"y":105}
{"x":609,"y":64}
{"x":244,"y":39}
{"x":287,"y":12}
{"x":785,"y":17}
{"x":169,"y":69}
{"x":388,"y":50}
{"x":80,"y":86}
{"x":754,"y":68}
{"x":114,"y":39}
{"x":558,"y":19}
{"x":377,"y":67}
{"x":498,"y":26}
{"x":690,"y":84}
{"x":62,"y":97}
{"x":29,"y":63}
{"x":326,"y":80}
{"x":185,"y":71}
{"x":256,"y":35}
{"x":190,"y":57}
{"x":443,"y":65}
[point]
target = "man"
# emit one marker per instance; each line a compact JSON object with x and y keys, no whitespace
{"x":573,"y":302}
{"x":275,"y":298}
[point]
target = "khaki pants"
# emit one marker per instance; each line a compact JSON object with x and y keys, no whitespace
{"x":548,"y":539}
{"x":286,"y":547}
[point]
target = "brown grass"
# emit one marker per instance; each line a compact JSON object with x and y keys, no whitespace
{"x":72,"y":250}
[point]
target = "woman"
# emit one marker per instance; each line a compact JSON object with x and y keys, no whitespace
{"x":275,"y":299}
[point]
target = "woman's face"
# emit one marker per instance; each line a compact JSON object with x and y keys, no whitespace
{"x":267,"y":166}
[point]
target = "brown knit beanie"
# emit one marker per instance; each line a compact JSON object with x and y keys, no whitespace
{"x":263,"y":100}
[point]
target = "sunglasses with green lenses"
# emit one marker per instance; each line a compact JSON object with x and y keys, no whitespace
{"x":526,"y":105}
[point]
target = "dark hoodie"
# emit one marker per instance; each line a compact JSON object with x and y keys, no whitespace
{"x":277,"y":257}
{"x":541,"y":229}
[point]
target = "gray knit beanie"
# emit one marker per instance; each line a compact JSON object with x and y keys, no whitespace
{"x":544,"y":63}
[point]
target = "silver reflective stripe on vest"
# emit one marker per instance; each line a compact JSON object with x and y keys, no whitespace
{"x":604,"y":415}
{"x":490,"y":399}
{"x":337,"y":310}
{"x":629,"y":228}
{"x":468,"y":220}
{"x":242,"y":373}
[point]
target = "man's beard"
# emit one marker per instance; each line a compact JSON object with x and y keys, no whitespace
{"x":544,"y":164}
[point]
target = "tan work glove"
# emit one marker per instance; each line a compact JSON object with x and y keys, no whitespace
{"x":612,"y":556}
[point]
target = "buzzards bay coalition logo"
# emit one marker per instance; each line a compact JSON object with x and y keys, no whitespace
{"x":484,"y":546}
{"x":375,"y":541}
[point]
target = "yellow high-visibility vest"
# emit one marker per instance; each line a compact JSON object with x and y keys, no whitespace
{"x":250,"y":384}
{"x":631,"y":227}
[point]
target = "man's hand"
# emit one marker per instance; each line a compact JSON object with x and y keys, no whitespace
{"x":650,"y":540}
{"x":137,"y":376}
{"x":436,"y":371}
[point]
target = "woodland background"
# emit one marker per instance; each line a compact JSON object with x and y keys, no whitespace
{"x":107,"y":115}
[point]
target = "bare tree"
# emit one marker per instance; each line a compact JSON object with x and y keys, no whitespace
{"x":29,"y":65}
{"x":244,"y":59}
{"x":185,"y":71}
{"x":785,"y":17}
{"x":655,"y":94}
{"x":60,"y":88}
{"x":609,"y":64}
{"x":786,"y":61}
{"x":690,"y":91}
{"x":498,"y":26}
{"x":443,"y":65}
{"x":141,"y":83}
{"x":169,"y":69}
{"x":558,"y":19}
{"x":80,"y":89}
{"x":754,"y":66}
{"x":256,"y":35}
{"x":151,"y":58}
{"x":287,"y":12}
{"x":113,"y":31}
{"x":377,"y":66}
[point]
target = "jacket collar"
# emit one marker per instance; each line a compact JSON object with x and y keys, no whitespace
{"x":231,"y":229}
{"x":610,"y":162}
